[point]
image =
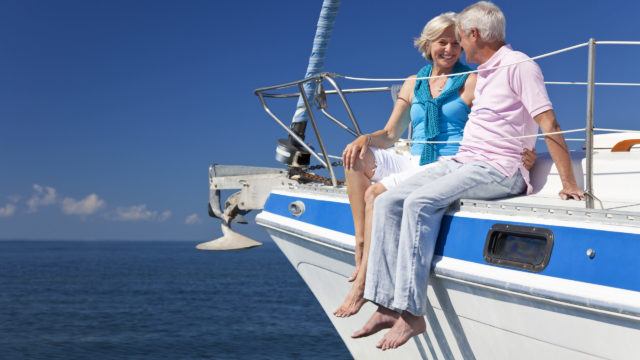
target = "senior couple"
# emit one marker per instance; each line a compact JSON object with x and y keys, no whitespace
{"x":398,"y":201}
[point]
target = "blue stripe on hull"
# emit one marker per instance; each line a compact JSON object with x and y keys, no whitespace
{"x":327,"y":214}
{"x":616,"y":263}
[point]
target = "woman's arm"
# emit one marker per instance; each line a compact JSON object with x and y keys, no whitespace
{"x":398,"y":122}
{"x":469,"y":89}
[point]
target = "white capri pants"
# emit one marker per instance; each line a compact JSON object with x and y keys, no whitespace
{"x":392,"y":167}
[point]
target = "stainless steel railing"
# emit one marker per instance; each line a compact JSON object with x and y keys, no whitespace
{"x":268,"y":92}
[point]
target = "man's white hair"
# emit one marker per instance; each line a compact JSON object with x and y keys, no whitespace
{"x":487,"y":18}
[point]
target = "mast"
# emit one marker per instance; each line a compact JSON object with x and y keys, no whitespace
{"x":318,"y":52}
{"x":289,"y":151}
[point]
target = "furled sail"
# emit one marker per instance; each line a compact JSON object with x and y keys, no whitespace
{"x":318,"y":52}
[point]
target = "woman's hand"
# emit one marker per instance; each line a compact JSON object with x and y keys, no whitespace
{"x":357,"y":147}
{"x":528,"y":158}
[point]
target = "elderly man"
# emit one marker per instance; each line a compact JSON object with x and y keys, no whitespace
{"x":509,"y":102}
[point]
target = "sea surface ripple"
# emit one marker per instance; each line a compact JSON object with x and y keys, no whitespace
{"x":156,"y":300}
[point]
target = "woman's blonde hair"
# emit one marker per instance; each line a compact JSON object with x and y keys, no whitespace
{"x":432,"y":31}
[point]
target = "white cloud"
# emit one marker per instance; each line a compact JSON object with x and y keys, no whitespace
{"x":87,"y":206}
{"x":7,"y":211}
{"x":165,"y":215}
{"x":192,"y":219}
{"x":140,"y":213}
{"x":43,"y":196}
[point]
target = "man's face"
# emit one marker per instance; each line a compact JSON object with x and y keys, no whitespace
{"x":468,"y":45}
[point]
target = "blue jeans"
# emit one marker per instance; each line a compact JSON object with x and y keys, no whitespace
{"x":406,"y":221}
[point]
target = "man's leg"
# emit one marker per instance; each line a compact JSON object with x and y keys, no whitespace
{"x":380,"y":272}
{"x":422,"y":213}
{"x":385,"y":233}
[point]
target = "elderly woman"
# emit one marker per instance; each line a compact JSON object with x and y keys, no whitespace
{"x":437,"y":110}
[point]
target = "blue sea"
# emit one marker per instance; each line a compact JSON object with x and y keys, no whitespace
{"x":156,"y":300}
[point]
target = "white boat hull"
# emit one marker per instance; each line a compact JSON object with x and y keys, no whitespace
{"x":467,"y":320}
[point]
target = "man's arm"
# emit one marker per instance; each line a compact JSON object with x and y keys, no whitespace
{"x":560,"y":155}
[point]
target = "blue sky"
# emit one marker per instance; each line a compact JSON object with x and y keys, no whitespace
{"x":112,"y":111}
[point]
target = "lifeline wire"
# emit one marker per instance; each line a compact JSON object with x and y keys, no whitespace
{"x":577,"y":46}
{"x":616,"y":130}
{"x":506,"y":65}
{"x":509,"y":138}
{"x":617,"y":42}
{"x":472,"y":71}
{"x":499,"y":139}
{"x":586,"y":83}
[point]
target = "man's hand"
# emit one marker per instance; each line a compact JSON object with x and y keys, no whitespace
{"x":571,"y":192}
{"x":528,"y":158}
{"x":357,"y":147}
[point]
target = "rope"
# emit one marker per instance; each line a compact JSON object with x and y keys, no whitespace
{"x":569,"y":139}
{"x":332,"y":157}
{"x":542,"y":56}
{"x":499,"y":139}
{"x":617,"y":42}
{"x":586,"y":83}
{"x":407,"y":141}
{"x":616,"y":130}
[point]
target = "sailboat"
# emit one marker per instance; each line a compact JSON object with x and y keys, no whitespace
{"x":527,"y":277}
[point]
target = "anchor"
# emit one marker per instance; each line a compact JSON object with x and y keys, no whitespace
{"x":230,"y":240}
{"x":255,"y":184}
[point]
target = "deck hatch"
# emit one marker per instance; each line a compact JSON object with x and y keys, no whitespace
{"x":520,"y":247}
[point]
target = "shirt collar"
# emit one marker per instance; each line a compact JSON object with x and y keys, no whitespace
{"x":494,"y":60}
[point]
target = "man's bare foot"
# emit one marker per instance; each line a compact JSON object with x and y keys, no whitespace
{"x":353,"y":302}
{"x":407,"y":326}
{"x":354,"y":274}
{"x":383,"y":318}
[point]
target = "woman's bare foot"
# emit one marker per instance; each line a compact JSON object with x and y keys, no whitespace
{"x":353,"y":302}
{"x":383,"y":318}
{"x":354,"y":274}
{"x":407,"y":326}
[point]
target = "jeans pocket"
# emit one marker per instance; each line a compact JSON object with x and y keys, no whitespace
{"x":492,"y":173}
{"x":519,"y":186}
{"x":515,"y":183}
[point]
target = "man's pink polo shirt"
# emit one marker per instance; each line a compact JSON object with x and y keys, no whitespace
{"x":506,"y":101}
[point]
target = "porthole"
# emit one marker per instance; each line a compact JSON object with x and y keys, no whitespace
{"x":520,"y":247}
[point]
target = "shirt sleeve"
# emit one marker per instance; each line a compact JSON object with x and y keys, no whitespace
{"x":528,"y":84}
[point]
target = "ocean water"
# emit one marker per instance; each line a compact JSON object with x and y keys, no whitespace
{"x":156,"y":300}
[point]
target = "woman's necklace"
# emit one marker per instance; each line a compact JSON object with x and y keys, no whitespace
{"x":436,"y":85}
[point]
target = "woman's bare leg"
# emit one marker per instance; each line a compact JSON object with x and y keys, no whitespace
{"x":373,"y":192}
{"x":358,"y":180}
{"x":355,"y":299}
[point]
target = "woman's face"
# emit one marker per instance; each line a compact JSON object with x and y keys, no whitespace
{"x":445,"y":50}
